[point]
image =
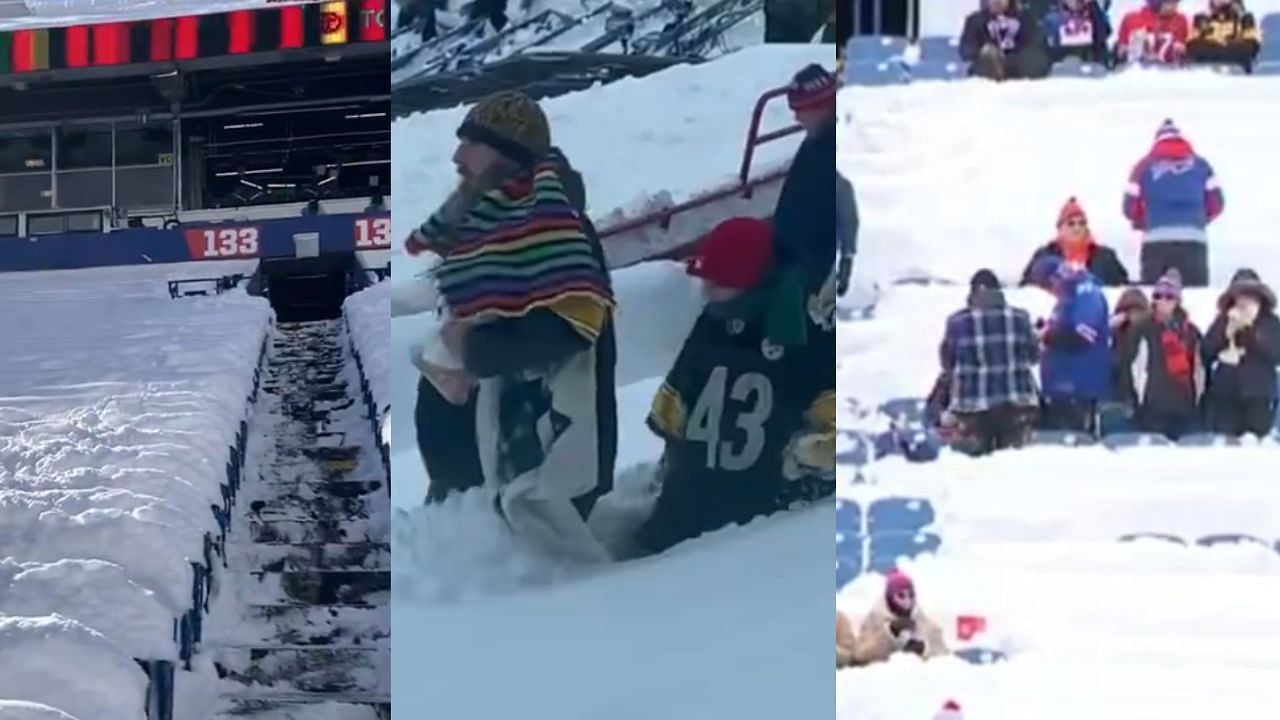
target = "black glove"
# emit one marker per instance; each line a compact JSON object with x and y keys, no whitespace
{"x":842,"y":277}
{"x":914,"y":646}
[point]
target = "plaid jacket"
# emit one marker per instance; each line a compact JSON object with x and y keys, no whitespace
{"x":990,"y":352}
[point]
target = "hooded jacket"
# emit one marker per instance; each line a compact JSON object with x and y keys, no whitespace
{"x":874,"y":642}
{"x":1076,"y":361}
{"x":1011,"y":31}
{"x":1173,"y":193}
{"x":1254,"y":377}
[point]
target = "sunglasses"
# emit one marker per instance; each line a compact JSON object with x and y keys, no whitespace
{"x":1164,"y":296}
{"x":1077,"y":224}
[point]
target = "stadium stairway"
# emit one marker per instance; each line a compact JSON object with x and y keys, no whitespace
{"x":308,"y":553}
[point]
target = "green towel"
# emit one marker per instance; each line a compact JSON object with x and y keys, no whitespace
{"x":786,"y":319}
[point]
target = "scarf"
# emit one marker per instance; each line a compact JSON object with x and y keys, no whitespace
{"x":516,"y":248}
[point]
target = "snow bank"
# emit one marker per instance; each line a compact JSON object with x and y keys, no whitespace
{"x":660,"y":638}
{"x":993,"y":194}
{"x":368,"y":315}
{"x":639,"y":143}
{"x":118,"y":411}
{"x":63,"y":664}
{"x":19,"y":710}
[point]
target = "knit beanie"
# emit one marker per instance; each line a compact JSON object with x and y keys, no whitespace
{"x":812,"y":88}
{"x":737,"y":253}
{"x":984,"y":279}
{"x":1071,"y":210}
{"x":1168,"y":131}
{"x":511,"y":123}
{"x":896,"y":582}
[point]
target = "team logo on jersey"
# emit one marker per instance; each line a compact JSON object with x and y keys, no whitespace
{"x":771,"y":351}
{"x":736,"y":326}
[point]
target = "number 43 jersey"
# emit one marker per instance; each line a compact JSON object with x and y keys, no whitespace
{"x":733,"y":410}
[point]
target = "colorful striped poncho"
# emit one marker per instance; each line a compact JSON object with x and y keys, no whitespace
{"x":519,"y":247}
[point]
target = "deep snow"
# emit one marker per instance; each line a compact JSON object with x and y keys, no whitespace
{"x":117,"y":410}
{"x":726,"y":626}
{"x":1095,"y":628}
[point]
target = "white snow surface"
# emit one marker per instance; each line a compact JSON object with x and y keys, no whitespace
{"x":1094,"y":628}
{"x":118,"y":407}
{"x":663,"y":637}
{"x":56,"y":13}
{"x":993,"y":192}
{"x":639,"y":143}
{"x":368,"y":315}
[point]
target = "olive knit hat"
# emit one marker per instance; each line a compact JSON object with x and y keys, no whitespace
{"x":511,"y":123}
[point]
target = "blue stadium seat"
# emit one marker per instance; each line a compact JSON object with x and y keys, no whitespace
{"x":889,"y":548}
{"x":1163,"y":537}
{"x":848,"y":517}
{"x":940,"y":49}
{"x":847,"y":570}
{"x":905,"y":412}
{"x":939,"y":70}
{"x":849,"y":545}
{"x":1113,"y":419}
{"x":1129,"y":440}
{"x":900,"y":514}
{"x":916,"y":445}
{"x":859,"y":450}
{"x":1230,"y":539}
{"x":867,"y":48}
{"x":1269,"y":67}
{"x":1208,"y":440}
{"x":1064,"y":438}
{"x":1075,"y":68}
{"x":980,"y":656}
{"x":875,"y":74}
{"x":1270,"y":26}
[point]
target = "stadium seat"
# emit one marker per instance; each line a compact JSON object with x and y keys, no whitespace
{"x":1230,"y":539}
{"x":1269,"y":67}
{"x":1077,"y":69}
{"x":1065,"y":438}
{"x":916,"y":445}
{"x":940,"y":49}
{"x":1270,"y":26}
{"x":1163,"y":537}
{"x":939,"y":70}
{"x":876,"y":49}
{"x":980,"y":656}
{"x":905,"y":412}
{"x":1208,"y":440}
{"x":848,"y":517}
{"x":847,"y":570}
{"x":875,"y":74}
{"x":849,"y":545}
{"x":1113,"y":419}
{"x":900,"y":514}
{"x":857,"y":450}
{"x":1128,"y":440}
{"x":889,"y":548}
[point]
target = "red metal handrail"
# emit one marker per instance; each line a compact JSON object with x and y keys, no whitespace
{"x":745,"y":187}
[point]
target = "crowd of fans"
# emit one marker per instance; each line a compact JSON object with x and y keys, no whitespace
{"x":1145,"y":367}
{"x":1007,"y":39}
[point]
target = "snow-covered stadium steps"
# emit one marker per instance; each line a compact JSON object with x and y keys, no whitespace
{"x":309,"y":561}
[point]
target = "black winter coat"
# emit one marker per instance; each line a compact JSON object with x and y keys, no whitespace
{"x":804,"y":222}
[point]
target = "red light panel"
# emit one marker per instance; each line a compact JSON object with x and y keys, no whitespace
{"x":162,"y":40}
{"x":292,"y":33}
{"x":242,"y":24}
{"x":78,"y":46}
{"x":373,"y":20}
{"x":186,"y":38}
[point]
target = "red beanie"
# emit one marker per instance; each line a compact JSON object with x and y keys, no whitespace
{"x":812,"y":88}
{"x":1071,"y":210}
{"x":897,"y":582}
{"x":737,"y":253}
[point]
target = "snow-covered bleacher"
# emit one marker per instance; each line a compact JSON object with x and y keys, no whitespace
{"x":121,"y":447}
{"x":368,"y":318}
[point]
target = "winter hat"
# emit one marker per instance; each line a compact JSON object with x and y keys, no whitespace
{"x":812,"y":88}
{"x":1168,"y":131}
{"x":1071,"y":210}
{"x":984,"y":279}
{"x":896,"y":582}
{"x":1169,"y":284}
{"x":1246,"y":281}
{"x":737,"y":253}
{"x":950,"y":711}
{"x":511,"y":123}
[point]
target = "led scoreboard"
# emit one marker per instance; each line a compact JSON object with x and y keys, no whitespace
{"x":194,"y":37}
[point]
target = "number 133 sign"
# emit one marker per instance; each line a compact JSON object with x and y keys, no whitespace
{"x":225,"y":243}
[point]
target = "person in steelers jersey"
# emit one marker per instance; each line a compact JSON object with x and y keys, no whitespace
{"x":748,"y":424}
